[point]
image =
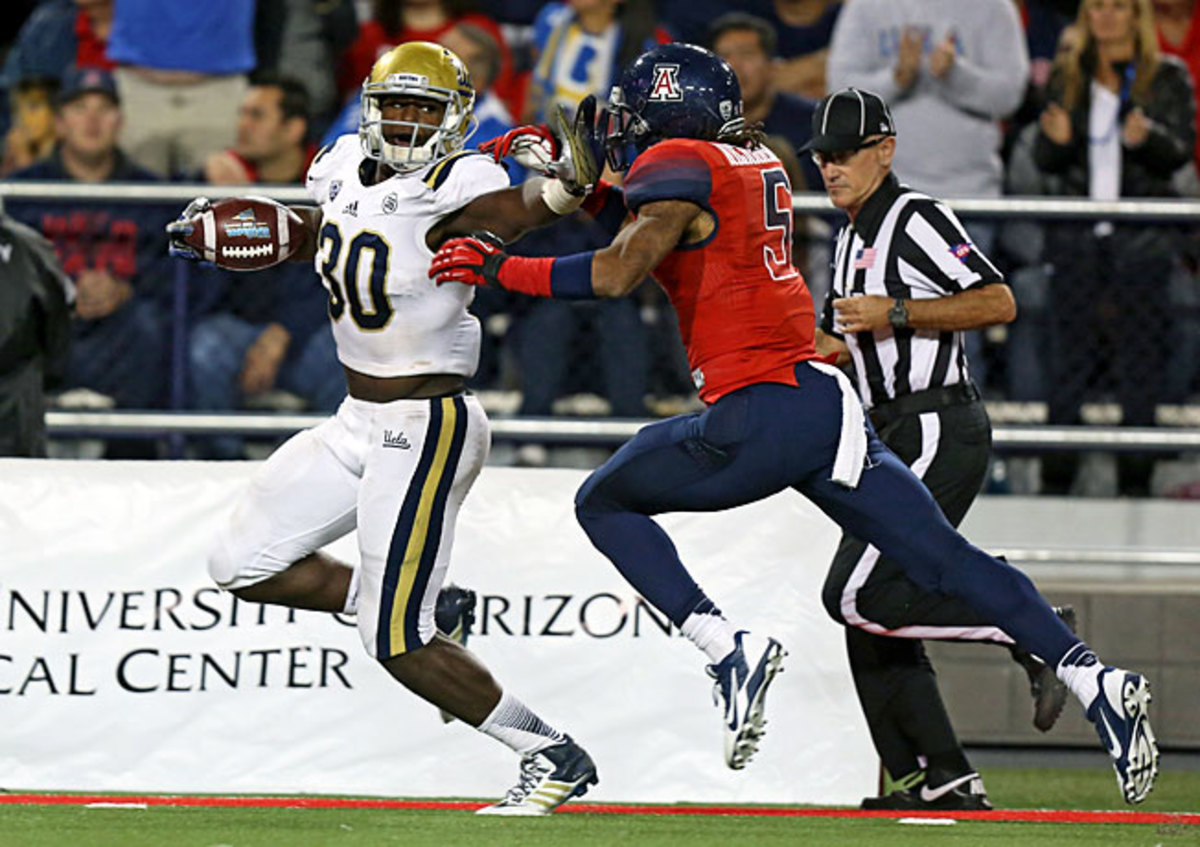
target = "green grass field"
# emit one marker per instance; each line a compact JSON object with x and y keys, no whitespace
{"x":1009,"y":788}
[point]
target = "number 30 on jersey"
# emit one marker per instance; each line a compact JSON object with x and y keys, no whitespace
{"x":366,"y":254}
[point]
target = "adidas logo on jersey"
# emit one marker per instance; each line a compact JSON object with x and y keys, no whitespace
{"x":351,"y":209}
{"x":396,"y":440}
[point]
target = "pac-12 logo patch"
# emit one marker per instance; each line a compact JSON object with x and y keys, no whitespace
{"x":665,"y":86}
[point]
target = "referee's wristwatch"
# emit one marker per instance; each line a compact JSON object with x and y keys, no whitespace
{"x":898,"y":314}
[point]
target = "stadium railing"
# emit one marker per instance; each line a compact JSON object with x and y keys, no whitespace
{"x":1181,"y":436}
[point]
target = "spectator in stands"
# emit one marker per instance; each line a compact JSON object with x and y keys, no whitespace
{"x":1043,"y":21}
{"x":748,"y":44}
{"x":182,"y":73}
{"x":1120,"y":123}
{"x":805,"y":29}
{"x":35,"y":333}
{"x":1043,"y":24}
{"x":395,"y":21}
{"x":262,"y":339}
{"x":60,"y":34}
{"x":32,"y":134}
{"x":1179,"y":35}
{"x":951,"y":71}
{"x":272,"y":136}
{"x":114,"y":253}
{"x":581,"y":46}
{"x":689,"y":20}
{"x":305,"y":40}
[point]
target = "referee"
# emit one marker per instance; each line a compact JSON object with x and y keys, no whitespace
{"x":907,"y":281}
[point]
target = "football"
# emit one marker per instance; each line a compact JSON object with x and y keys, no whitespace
{"x":247,"y":233}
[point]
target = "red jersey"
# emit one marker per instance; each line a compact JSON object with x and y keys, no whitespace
{"x":745,"y":314}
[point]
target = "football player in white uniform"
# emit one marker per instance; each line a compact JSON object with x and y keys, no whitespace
{"x":401,"y":453}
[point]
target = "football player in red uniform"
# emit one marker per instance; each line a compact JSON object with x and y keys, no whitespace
{"x":711,"y":221}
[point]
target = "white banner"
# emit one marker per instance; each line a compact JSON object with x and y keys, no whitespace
{"x":123,"y":669}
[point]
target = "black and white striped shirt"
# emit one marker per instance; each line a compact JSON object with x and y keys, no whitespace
{"x":904,"y":244}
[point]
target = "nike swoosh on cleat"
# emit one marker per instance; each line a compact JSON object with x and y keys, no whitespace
{"x":733,"y":715}
{"x":929,"y":795}
{"x":1113,"y":742}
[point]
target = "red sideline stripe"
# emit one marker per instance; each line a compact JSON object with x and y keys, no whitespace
{"x":1025,"y":815}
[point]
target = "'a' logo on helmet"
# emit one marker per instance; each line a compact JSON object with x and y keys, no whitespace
{"x":666,"y":84}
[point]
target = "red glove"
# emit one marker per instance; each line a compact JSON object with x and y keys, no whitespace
{"x":471,"y":260}
{"x":479,"y":260}
{"x":533,"y":147}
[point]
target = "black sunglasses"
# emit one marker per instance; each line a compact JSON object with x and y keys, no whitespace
{"x":841,"y":157}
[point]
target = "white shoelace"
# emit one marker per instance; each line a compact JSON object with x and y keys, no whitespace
{"x":531,"y":774}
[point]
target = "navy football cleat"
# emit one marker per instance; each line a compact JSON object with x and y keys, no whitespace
{"x":742,"y":679}
{"x":1121,"y":713}
{"x":548,"y":778}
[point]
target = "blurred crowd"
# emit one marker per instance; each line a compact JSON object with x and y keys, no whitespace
{"x":1087,"y":98}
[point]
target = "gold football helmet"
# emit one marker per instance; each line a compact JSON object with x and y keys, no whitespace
{"x":416,"y":69}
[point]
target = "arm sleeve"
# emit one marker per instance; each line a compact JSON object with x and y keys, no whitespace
{"x":854,"y":56}
{"x":991,"y":83}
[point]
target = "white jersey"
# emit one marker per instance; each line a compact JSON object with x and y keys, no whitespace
{"x":389,"y":318}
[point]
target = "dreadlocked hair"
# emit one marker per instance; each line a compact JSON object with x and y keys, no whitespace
{"x":751,"y":136}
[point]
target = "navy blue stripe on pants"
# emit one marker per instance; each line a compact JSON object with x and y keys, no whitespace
{"x":767,"y":437}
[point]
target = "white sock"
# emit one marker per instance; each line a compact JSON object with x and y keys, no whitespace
{"x":1080,"y":670}
{"x":513,"y":724}
{"x":711,"y":633}
{"x":351,"y":605}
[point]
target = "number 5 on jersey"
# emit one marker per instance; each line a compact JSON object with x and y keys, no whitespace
{"x":777,"y":215}
{"x":366,"y":251}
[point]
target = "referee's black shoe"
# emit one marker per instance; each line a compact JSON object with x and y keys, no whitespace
{"x":963,"y":793}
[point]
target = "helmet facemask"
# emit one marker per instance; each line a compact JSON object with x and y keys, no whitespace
{"x":445,"y":138}
{"x":625,"y":133}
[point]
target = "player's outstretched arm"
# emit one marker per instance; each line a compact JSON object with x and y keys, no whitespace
{"x":509,"y":213}
{"x":614,"y":271}
{"x":311,"y":216}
